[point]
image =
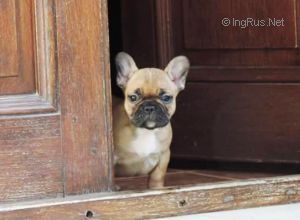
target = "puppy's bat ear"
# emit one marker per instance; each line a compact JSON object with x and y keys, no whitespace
{"x":125,"y":67}
{"x":177,"y":70}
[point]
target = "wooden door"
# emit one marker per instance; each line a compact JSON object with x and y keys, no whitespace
{"x":55,"y":134}
{"x":241,"y":101}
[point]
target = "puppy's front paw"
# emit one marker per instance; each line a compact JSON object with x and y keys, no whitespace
{"x":155,"y":184}
{"x":116,"y":188}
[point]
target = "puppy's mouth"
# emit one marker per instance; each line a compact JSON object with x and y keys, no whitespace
{"x":150,"y":115}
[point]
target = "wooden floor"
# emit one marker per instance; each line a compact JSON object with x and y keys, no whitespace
{"x":176,"y":177}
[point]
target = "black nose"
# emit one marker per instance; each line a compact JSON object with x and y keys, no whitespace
{"x":149,"y":109}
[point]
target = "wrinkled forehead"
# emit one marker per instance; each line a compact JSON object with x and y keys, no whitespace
{"x":151,"y":81}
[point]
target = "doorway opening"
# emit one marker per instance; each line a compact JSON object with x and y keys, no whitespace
{"x":203,"y":149}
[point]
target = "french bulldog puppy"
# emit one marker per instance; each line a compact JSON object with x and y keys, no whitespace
{"x":141,"y":123}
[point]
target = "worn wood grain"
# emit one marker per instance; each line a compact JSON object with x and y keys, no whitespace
{"x":16,"y":43}
{"x":30,"y":158}
{"x":8,"y":66}
{"x":83,"y":65}
{"x":45,"y":52}
{"x":44,"y":97}
{"x":163,"y":203}
{"x":67,"y":49}
{"x":30,"y":154}
{"x":25,"y":104}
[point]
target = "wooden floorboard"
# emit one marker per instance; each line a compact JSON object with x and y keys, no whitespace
{"x":152,"y":204}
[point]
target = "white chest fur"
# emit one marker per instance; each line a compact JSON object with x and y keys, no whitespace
{"x":145,"y":143}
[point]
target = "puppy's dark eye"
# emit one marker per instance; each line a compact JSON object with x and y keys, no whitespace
{"x":166,"y":98}
{"x":133,"y":98}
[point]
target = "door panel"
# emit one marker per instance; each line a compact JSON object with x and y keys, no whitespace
{"x":238,"y":122}
{"x":235,"y":120}
{"x":41,"y":77}
{"x":30,"y":143}
{"x":8,"y":38}
{"x":234,"y":49}
{"x":243,"y":83}
{"x":30,"y":157}
{"x":55,"y":134}
{"x":16,"y":43}
{"x":246,"y":20}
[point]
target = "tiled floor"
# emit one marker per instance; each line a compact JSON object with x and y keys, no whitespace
{"x":176,"y":177}
{"x":186,"y":177}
